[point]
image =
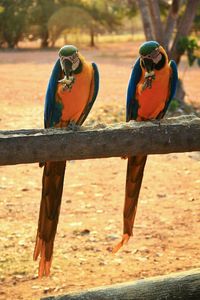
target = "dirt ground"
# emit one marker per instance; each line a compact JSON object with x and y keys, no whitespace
{"x":167,"y":228}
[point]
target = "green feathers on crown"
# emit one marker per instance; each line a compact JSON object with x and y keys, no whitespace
{"x":67,"y":50}
{"x":147,"y":47}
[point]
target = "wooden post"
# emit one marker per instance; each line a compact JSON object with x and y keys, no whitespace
{"x":125,"y":139}
{"x":177,"y":286}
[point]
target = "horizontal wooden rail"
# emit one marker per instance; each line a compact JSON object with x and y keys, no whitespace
{"x":182,"y":286}
{"x":180,"y":134}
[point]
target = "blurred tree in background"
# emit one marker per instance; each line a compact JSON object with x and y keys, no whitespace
{"x":175,"y":24}
{"x":13,"y":21}
{"x":66,"y":19}
{"x":165,"y":21}
{"x":47,"y":19}
{"x":168,"y":22}
{"x":92,"y":17}
{"x":39,"y":13}
{"x":105,"y":17}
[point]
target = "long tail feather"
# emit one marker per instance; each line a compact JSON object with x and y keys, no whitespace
{"x":134,"y":177}
{"x":52,"y":187}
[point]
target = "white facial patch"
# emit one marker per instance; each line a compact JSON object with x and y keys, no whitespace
{"x":74,"y":59}
{"x":155,"y":55}
{"x":157,"y":58}
{"x":75,"y":64}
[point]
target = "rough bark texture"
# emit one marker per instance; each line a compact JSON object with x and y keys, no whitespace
{"x":92,"y":43}
{"x":153,"y":27}
{"x":146,"y":19}
{"x":156,"y":21}
{"x":184,"y":27}
{"x":125,"y":139}
{"x":183,"y":286}
{"x":171,"y":22}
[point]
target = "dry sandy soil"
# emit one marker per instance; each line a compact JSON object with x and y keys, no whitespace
{"x":167,"y":229}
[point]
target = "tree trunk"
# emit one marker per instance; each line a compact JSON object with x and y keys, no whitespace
{"x":146,"y":19}
{"x":180,"y":93}
{"x":171,"y":23}
{"x":92,"y":43}
{"x":12,"y":42}
{"x":153,"y":28}
{"x":45,"y":39}
{"x":156,"y":21}
{"x":184,"y":28}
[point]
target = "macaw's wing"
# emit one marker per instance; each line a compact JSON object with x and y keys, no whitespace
{"x":131,"y":102}
{"x":174,"y":79}
{"x":172,"y":85}
{"x":94,"y":88}
{"x":50,"y":94}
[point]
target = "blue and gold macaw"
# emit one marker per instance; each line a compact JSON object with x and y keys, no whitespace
{"x":68,"y":101}
{"x":151,"y":87}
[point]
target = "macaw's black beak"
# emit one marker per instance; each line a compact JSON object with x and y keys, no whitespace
{"x":148,"y":64}
{"x":67,"y":67}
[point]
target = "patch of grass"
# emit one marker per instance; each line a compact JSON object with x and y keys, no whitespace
{"x":177,"y":107}
{"x":174,"y":105}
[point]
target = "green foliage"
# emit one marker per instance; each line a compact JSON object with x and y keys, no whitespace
{"x":123,"y":8}
{"x":190,"y":47}
{"x":40,"y":12}
{"x":174,"y":105}
{"x":106,"y":14}
{"x":13,"y":21}
{"x":68,"y":18}
{"x":91,"y":16}
{"x":39,"y":15}
{"x":1,"y":9}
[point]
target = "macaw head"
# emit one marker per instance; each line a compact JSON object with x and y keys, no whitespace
{"x":69,"y":60}
{"x":152,"y":56}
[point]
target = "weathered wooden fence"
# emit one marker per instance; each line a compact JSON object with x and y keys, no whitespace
{"x":178,"y":286}
{"x":170,"y":135}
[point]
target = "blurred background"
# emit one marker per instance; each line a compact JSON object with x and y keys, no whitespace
{"x":166,"y":234}
{"x":91,"y":23}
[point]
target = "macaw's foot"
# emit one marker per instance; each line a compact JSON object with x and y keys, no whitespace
{"x":44,"y":264}
{"x":72,"y":126}
{"x":125,"y":239}
{"x":41,"y":164}
{"x":156,"y":121}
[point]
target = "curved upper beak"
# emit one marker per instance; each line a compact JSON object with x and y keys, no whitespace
{"x":148,"y":64}
{"x":66,"y":66}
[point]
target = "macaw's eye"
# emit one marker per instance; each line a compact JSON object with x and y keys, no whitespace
{"x":73,"y":58}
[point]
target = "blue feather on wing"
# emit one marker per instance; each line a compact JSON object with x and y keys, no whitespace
{"x":96,"y":80}
{"x":50,"y":94}
{"x":131,"y":102}
{"x":173,"y":84}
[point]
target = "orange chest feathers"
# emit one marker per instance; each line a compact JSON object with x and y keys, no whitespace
{"x":152,"y":100}
{"x":74,"y":101}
